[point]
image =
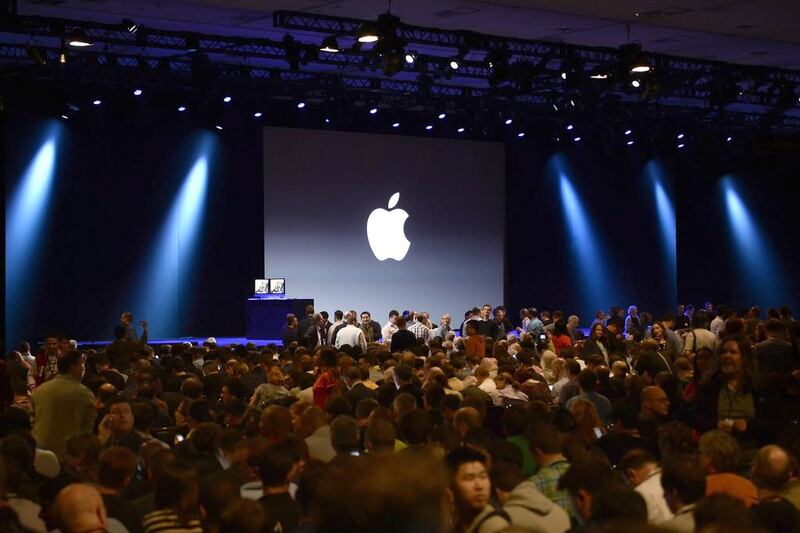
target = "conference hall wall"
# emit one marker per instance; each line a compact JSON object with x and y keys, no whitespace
{"x":137,"y":207}
{"x":589,"y":228}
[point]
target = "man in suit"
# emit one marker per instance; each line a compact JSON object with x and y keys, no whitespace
{"x":315,"y":334}
{"x":356,"y":390}
{"x":371,"y":329}
{"x":305,"y":324}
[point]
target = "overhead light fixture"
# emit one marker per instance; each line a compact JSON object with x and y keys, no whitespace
{"x":181,"y":108}
{"x":137,"y":92}
{"x":395,"y":124}
{"x":681,"y":145}
{"x":629,"y":143}
{"x":680,"y":135}
{"x":79,"y":39}
{"x":509,"y":121}
{"x":640,"y":67}
{"x":521,"y":134}
{"x":599,"y":73}
{"x":130,"y":26}
{"x":461,"y":129}
{"x":218,"y":127}
{"x":97,"y":102}
{"x":227,"y":99}
{"x":454,"y":64}
{"x":628,"y":132}
{"x":301,"y":105}
{"x":442,"y":116}
{"x":577,"y":139}
{"x":728,"y":139}
{"x":570,"y":127}
{"x":257,"y":114}
{"x":411,"y":57}
{"x":373,"y":110}
{"x":367,"y":32}
{"x":636,"y":84}
{"x":429,"y":127}
{"x":329,"y":45}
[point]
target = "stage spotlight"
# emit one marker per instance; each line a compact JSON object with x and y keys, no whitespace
{"x":577,"y":139}
{"x":636,"y":84}
{"x":130,"y":26}
{"x":629,"y":143}
{"x":681,"y":145}
{"x":411,"y":57}
{"x":257,"y":114}
{"x":521,"y":134}
{"x":395,"y":124}
{"x":640,"y":67}
{"x":97,"y":102}
{"x":628,"y":132}
{"x":65,"y":117}
{"x":454,"y":64}
{"x":79,"y":39}
{"x":429,"y":127}
{"x":680,"y":135}
{"x":509,"y":121}
{"x":218,"y":127}
{"x":570,"y":127}
{"x":227,"y":99}
{"x":181,"y":108}
{"x":373,"y":110}
{"x":563,"y":75}
{"x":461,"y":129}
{"x":367,"y":32}
{"x":327,"y":120}
{"x":137,"y":92}
{"x":301,"y":105}
{"x":442,"y":116}
{"x":599,"y":73}
{"x":329,"y":45}
{"x":728,"y":139}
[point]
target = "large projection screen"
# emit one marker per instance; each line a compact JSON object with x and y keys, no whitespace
{"x":320,"y":189}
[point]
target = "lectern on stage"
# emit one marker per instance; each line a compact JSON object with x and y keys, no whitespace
{"x":267,"y":310}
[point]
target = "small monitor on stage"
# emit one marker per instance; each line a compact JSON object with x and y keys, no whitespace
{"x":262,"y":287}
{"x":277,"y":286}
{"x":270,"y":288}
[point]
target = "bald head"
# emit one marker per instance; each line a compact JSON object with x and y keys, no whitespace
{"x":655,"y":402}
{"x":79,"y":507}
{"x":772,"y":468}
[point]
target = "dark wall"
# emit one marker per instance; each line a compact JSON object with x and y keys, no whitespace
{"x":117,"y":174}
{"x":617,"y":192}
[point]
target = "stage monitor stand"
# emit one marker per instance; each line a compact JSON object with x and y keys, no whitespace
{"x":266,"y":318}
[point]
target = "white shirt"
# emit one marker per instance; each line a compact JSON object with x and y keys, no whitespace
{"x":488,"y":386}
{"x":653,"y":494}
{"x":388,"y":330}
{"x":716,"y":326}
{"x":351,"y":335}
{"x":699,"y":338}
{"x":331,"y":330}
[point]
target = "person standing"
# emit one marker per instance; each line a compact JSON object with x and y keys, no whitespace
{"x":63,"y":407}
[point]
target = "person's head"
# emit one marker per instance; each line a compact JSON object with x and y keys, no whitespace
{"x":415,"y":426}
{"x":275,"y":422}
{"x":636,"y":465}
{"x":344,"y":434}
{"x":772,"y":469}
{"x":366,"y":318}
{"x":658,"y":330}
{"x":466,"y":418}
{"x":723,"y":513}
{"x":82,"y":455}
{"x":587,"y":380}
{"x":618,"y":506}
{"x":598,"y":331}
{"x":633,"y":311}
{"x":499,"y":313}
{"x":719,"y":452}
{"x":736,"y":360}
{"x":683,"y":480}
{"x":176,"y":488}
{"x":327,"y":358}
{"x":310,"y":420}
{"x":403,"y":374}
{"x":470,"y":485}
{"x":232,"y":389}
{"x":380,"y":436}
{"x":274,"y":467}
{"x":73,"y":364}
{"x":654,"y":402}
{"x":505,"y":478}
{"x":675,"y":438}
{"x":584,"y":480}
{"x":79,"y":508}
{"x":544,"y":439}
{"x":117,"y":465}
{"x":573,"y":368}
{"x":121,"y":411}
{"x":615,"y":325}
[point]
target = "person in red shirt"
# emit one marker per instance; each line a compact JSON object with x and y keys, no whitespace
{"x":560,"y":336}
{"x":327,"y":383}
{"x":475,"y":345}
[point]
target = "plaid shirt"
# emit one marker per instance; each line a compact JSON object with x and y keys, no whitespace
{"x":546,"y":479}
{"x":420,"y":331}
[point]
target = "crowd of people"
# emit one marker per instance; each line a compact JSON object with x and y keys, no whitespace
{"x":688,"y":422}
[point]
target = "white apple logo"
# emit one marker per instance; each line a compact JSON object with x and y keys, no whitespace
{"x":385,"y":232}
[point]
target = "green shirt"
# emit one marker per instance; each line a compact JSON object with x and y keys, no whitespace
{"x":529,"y":465}
{"x":736,"y":405}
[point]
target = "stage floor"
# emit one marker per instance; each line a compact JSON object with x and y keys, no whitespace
{"x":197,"y":341}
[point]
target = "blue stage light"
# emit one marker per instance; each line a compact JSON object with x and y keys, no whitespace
{"x":165,"y":286}
{"x":26,"y":218}
{"x":665,"y":210}
{"x":586,"y":246}
{"x":763,"y":280}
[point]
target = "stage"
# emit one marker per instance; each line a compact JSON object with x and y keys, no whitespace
{"x":196,"y":341}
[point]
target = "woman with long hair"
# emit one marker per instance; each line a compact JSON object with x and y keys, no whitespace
{"x":596,"y":343}
{"x":590,"y":428}
{"x":560,"y":337}
{"x":176,"y":500}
